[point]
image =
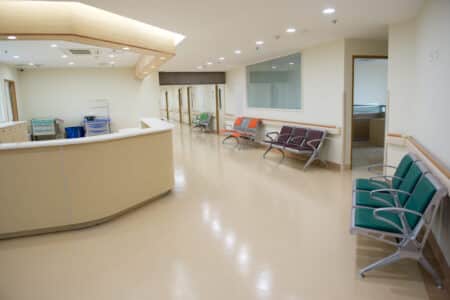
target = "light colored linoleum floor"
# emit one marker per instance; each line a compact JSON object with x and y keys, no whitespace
{"x":235,"y":227}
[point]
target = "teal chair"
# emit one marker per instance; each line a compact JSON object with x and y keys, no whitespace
{"x":400,"y":226}
{"x":203,"y":121}
{"x":391,"y":196}
{"x":385,"y":181}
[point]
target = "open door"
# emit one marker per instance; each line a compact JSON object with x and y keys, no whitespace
{"x":11,"y":95}
{"x":368,"y":110}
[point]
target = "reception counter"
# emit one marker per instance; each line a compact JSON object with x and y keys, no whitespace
{"x":57,"y":185}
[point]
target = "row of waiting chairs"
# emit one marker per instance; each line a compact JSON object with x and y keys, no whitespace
{"x":398,"y":210}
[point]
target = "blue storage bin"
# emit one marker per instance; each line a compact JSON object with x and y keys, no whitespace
{"x":74,"y":132}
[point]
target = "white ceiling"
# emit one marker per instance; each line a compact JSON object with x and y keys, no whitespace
{"x":42,"y":55}
{"x":215,"y":28}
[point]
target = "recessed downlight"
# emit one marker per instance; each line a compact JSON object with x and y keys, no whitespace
{"x":63,"y":56}
{"x":111,"y":55}
{"x":11,"y":37}
{"x":259,"y":43}
{"x":329,"y":11}
{"x":292,"y":63}
{"x":237,"y":52}
{"x":274,"y":67}
{"x":291,"y":30}
{"x":209,"y":63}
{"x":222,"y":58}
{"x":153,"y":67}
{"x":31,"y":64}
{"x":199,"y":67}
{"x":71,"y":63}
{"x":126,"y":48}
{"x":54,"y":46}
{"x":16,"y":56}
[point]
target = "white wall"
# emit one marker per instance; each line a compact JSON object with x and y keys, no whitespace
{"x":67,"y":94}
{"x":419,"y":72}
{"x":370,"y":83}
{"x":322,"y":82}
{"x":8,"y":72}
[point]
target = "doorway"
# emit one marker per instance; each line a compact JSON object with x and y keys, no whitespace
{"x":11,"y":97}
{"x":369,"y":100}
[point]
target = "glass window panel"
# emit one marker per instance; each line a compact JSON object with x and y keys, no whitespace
{"x":275,"y":83}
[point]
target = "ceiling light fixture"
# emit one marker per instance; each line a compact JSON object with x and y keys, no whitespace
{"x":291,"y":30}
{"x":153,"y":67}
{"x":71,"y":63}
{"x":63,"y":56}
{"x":329,"y":11}
{"x":291,"y":63}
{"x":209,"y":63}
{"x":199,"y":67}
{"x":31,"y":64}
{"x":274,"y":67}
{"x":111,"y":55}
{"x":259,"y":43}
{"x":237,"y":51}
{"x":222,"y":58}
{"x":16,"y":56}
{"x":125,"y":48}
{"x":11,"y":37}
{"x":54,"y":46}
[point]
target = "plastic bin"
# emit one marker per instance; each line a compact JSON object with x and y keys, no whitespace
{"x":74,"y":132}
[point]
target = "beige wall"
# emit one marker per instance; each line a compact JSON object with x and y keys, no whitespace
{"x":67,"y":94}
{"x":419,"y":72}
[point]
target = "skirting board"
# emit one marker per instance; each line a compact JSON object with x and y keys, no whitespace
{"x":80,"y":225}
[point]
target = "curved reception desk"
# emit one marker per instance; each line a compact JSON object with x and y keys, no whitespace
{"x":60,"y":185}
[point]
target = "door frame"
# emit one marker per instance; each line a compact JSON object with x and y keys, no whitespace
{"x":11,"y":86}
{"x":354,"y":57}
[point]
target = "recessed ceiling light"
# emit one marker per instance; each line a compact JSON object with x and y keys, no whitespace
{"x":162,"y":58}
{"x":237,"y":51}
{"x":199,"y":67}
{"x":53,"y":45}
{"x":111,"y":55}
{"x":63,"y":56}
{"x":125,"y":48}
{"x":274,"y":67}
{"x":222,"y":58}
{"x":16,"y":56}
{"x":31,"y":64}
{"x":71,"y":63}
{"x":153,"y":67}
{"x":11,"y":37}
{"x":209,"y":63}
{"x":259,"y":42}
{"x":328,"y":11}
{"x":291,"y":30}
{"x":292,"y":63}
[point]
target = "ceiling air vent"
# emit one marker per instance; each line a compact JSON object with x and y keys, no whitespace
{"x":80,"y":51}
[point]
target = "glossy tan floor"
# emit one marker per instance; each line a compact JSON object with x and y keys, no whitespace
{"x":235,"y":227}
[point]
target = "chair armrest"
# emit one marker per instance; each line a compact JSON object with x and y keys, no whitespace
{"x":397,"y":210}
{"x":394,"y":193}
{"x":309,"y":143}
{"x":269,"y":135}
{"x":386,"y":220}
{"x":386,"y":178}
{"x":371,"y":168}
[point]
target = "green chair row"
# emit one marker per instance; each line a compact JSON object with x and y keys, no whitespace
{"x":395,"y":209}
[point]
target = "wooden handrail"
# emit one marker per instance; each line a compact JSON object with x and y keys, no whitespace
{"x":423,"y":151}
{"x":436,"y":163}
{"x":290,"y":122}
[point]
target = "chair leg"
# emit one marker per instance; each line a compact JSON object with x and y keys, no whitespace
{"x":309,"y":161}
{"x":267,"y":151}
{"x":381,"y":263}
{"x":427,"y":266}
{"x":226,"y":138}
